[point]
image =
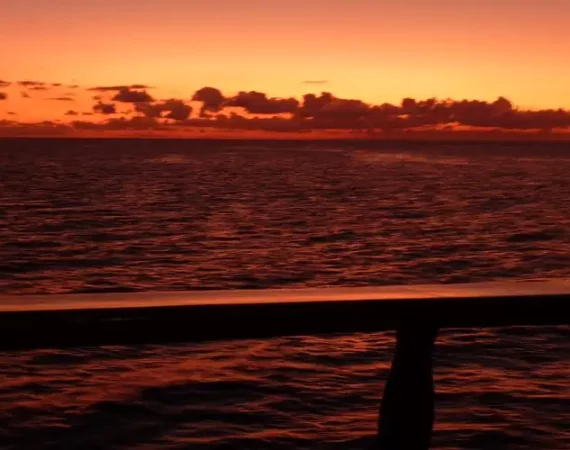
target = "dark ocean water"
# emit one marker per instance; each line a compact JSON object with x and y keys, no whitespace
{"x":115,"y":216}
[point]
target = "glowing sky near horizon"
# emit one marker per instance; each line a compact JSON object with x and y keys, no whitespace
{"x":374,"y":50}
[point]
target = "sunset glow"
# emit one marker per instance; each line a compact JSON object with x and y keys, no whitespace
{"x":373,"y":52}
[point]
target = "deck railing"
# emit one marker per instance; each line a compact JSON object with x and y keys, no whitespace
{"x":416,"y":312}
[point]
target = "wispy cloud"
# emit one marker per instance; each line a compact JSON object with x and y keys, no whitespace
{"x":119,"y":87}
{"x":63,"y":99}
{"x":28,"y":83}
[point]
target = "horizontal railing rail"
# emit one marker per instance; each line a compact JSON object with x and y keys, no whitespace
{"x":30,"y":322}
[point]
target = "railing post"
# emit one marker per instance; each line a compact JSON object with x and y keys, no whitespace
{"x":407,"y":411}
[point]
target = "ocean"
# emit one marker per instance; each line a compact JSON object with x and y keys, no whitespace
{"x":104,"y":216}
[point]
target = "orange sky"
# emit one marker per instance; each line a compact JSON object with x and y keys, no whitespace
{"x":373,"y":50}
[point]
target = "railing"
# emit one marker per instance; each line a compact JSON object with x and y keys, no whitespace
{"x":416,"y":312}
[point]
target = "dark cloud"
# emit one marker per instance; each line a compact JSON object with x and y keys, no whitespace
{"x":71,"y":113}
{"x":212,"y":100}
{"x":39,"y":88}
{"x":119,"y":88}
{"x":326,"y":113}
{"x":3,"y":96}
{"x":474,"y":113}
{"x":170,"y":109}
{"x":127,"y":95}
{"x":4,"y":84}
{"x":258,"y":103}
{"x":63,"y":99}
{"x":177,"y":110}
{"x":315,"y":82}
{"x":105,"y":108}
{"x":313,"y":104}
{"x":28,"y":83}
{"x":150,"y":110}
{"x":24,"y":94}
{"x":86,"y":113}
{"x":56,"y":85}
{"x":12,"y":113}
{"x":343,"y":109}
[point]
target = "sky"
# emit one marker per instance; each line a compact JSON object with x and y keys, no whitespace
{"x":374,"y":51}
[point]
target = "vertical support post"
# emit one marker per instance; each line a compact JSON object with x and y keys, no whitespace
{"x":407,"y":411}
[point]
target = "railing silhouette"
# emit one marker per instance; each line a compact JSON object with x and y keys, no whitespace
{"x":416,"y":312}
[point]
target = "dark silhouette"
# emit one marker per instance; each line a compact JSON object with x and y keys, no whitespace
{"x":407,"y":410}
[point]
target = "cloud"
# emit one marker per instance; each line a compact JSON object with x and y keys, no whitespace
{"x":119,"y":88}
{"x":323,"y":113}
{"x":315,"y":82}
{"x":3,"y":96}
{"x":212,"y":100}
{"x":12,"y":113}
{"x":126,"y":95}
{"x":39,"y":88}
{"x":4,"y":84}
{"x":177,"y":110}
{"x":105,"y":108}
{"x":498,"y":114}
{"x":343,"y":109}
{"x":149,"y":110}
{"x":313,"y":104}
{"x":28,"y":83}
{"x":327,"y":112}
{"x":169,"y":109}
{"x":24,"y":94}
{"x":258,"y":103}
